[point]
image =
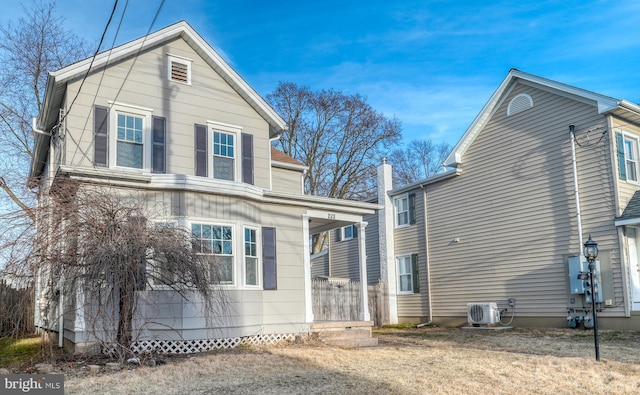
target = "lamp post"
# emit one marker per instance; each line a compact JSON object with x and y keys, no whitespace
{"x":591,"y":253}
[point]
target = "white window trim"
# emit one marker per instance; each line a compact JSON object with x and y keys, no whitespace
{"x":343,"y":235}
{"x":234,"y":261}
{"x":179,"y":59}
{"x":258,"y":259}
{"x":397,"y":259}
{"x":214,"y":126}
{"x":137,"y":111}
{"x":636,"y":145}
{"x":395,"y":211}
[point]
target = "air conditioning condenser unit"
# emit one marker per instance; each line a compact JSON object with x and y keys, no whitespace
{"x":483,"y":313}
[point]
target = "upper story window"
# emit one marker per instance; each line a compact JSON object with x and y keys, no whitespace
{"x":404,"y":207}
{"x":628,"y":154}
{"x":223,"y":156}
{"x":631,"y":158}
{"x":129,"y":137}
{"x":129,"y":141}
{"x":223,"y":152}
{"x":179,"y":69}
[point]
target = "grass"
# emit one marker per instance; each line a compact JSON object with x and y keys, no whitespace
{"x":19,"y":351}
{"x":407,"y":360}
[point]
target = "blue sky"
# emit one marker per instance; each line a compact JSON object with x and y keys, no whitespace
{"x":432,"y":64}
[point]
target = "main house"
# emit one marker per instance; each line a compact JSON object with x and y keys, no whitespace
{"x":542,"y":167}
{"x":167,"y":117}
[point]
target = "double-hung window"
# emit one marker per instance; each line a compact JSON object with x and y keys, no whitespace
{"x":129,"y":137}
{"x":216,"y":243}
{"x":223,"y":152}
{"x":408,"y":279}
{"x":130,"y":145}
{"x":631,"y":158}
{"x":404,"y":207}
{"x":250,"y":256}
{"x":223,"y":155}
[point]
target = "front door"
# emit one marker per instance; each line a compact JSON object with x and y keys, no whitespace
{"x":633,"y":243}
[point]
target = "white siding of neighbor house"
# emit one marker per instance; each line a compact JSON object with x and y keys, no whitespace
{"x":208,"y":98}
{"x":513,"y":212}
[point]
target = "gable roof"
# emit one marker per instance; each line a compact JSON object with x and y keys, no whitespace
{"x":604,"y":103}
{"x":631,"y":213}
{"x":279,"y":156}
{"x":57,"y":80}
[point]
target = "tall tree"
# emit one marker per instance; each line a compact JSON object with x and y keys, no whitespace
{"x":98,"y":246}
{"x":30,"y":47}
{"x":340,"y":137}
{"x":418,"y":160}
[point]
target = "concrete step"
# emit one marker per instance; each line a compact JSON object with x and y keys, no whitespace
{"x":344,"y":333}
{"x":353,"y":343}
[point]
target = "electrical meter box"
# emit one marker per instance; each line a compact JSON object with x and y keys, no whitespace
{"x":579,"y":278}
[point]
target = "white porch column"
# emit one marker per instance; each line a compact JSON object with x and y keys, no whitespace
{"x":364,"y":296}
{"x":306,"y":262}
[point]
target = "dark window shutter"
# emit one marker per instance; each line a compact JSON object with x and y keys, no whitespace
{"x":101,"y":136}
{"x":622,"y":166}
{"x":247,"y":158}
{"x":338,"y":234}
{"x":201,"y":150}
{"x":415,"y":273}
{"x":158,"y":153}
{"x":269,"y":264}
{"x":412,"y":208}
{"x":355,"y":230}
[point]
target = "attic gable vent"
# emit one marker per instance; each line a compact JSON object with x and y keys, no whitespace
{"x":179,"y":69}
{"x":519,"y":103}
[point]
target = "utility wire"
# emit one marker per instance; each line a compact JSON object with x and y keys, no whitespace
{"x":95,"y":96}
{"x":104,"y":33}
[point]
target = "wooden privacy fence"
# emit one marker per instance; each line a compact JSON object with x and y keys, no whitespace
{"x":16,"y":310}
{"x":339,"y":300}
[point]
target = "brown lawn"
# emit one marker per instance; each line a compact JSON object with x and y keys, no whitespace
{"x":407,"y":361}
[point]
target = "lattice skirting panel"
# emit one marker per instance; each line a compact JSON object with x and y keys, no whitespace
{"x":193,"y":346}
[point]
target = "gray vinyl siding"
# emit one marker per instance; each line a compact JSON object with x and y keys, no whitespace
{"x":411,"y":240}
{"x":513,"y":211}
{"x":373,"y":248}
{"x":209,"y":98}
{"x":320,"y":265}
{"x":345,"y":257}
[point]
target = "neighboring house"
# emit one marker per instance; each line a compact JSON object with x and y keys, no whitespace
{"x":504,"y":219}
{"x":166,"y":116}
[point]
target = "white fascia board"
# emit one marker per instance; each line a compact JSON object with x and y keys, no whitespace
{"x":291,"y":166}
{"x":630,"y":221}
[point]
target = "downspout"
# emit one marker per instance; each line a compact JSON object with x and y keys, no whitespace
{"x":575,"y":184}
{"x":61,"y":319}
{"x":426,"y":246}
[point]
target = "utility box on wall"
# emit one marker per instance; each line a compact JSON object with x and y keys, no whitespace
{"x":579,"y":279}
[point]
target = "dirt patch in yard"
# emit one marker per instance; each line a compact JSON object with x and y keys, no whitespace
{"x":425,"y":360}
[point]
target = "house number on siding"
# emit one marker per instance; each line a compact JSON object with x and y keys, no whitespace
{"x":331,"y":216}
